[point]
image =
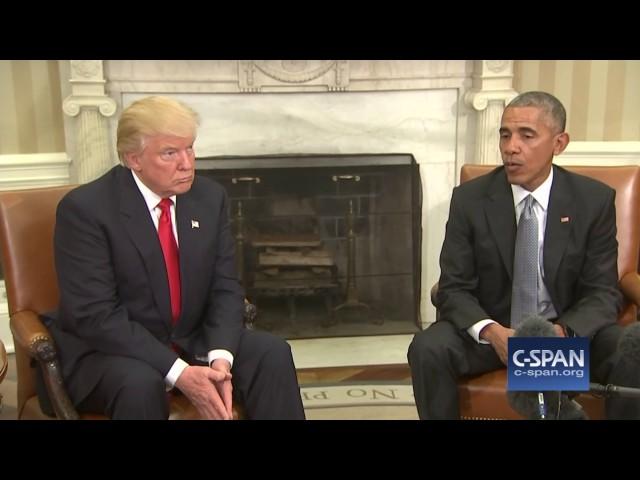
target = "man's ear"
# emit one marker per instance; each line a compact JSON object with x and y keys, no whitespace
{"x":132,"y":160}
{"x":561,"y":142}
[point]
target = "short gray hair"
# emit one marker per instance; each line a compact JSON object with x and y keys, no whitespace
{"x":552,"y":107}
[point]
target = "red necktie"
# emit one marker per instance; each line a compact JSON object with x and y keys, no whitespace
{"x":171,"y":259}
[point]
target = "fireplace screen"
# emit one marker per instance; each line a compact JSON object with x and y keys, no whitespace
{"x":326,"y":245}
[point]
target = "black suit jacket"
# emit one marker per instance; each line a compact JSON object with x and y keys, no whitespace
{"x":114,"y":294}
{"x":580,"y":252}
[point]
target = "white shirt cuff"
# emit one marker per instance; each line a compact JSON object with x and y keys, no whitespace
{"x":215,"y":354}
{"x":475,"y":329}
{"x":174,"y":372}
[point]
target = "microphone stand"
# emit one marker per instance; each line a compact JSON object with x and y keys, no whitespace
{"x":542,"y":407}
{"x":610,"y":390}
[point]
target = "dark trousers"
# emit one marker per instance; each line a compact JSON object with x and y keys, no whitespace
{"x":441,"y":354}
{"x":264,"y":382}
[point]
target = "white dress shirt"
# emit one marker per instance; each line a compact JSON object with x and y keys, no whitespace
{"x":540,"y":206}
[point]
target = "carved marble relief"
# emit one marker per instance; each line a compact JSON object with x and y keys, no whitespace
{"x":258,"y":75}
{"x":86,"y":69}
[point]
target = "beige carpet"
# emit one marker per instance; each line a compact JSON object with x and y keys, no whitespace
{"x":359,"y":401}
{"x":368,"y":412}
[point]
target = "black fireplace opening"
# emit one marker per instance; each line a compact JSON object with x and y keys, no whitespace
{"x":326,"y":245}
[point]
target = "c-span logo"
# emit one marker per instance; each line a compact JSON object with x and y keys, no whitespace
{"x":545,"y":363}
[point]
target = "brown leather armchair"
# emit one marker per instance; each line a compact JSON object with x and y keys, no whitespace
{"x":484,"y":396}
{"x":4,"y":365}
{"x":27,"y":219}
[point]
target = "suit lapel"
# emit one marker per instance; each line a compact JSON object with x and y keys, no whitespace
{"x":561,"y":212}
{"x":139,"y":226}
{"x":189,"y":244}
{"x":500,"y":214}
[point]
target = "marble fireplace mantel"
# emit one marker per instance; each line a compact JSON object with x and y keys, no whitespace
{"x":445,"y":113}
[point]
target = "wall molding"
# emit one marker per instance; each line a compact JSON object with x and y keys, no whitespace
{"x":600,"y":153}
{"x":34,"y":170}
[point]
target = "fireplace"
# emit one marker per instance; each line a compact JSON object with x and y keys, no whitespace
{"x":327,"y":245}
{"x":426,"y":122}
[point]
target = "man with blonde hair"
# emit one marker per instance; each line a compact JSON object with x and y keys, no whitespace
{"x":149,"y":295}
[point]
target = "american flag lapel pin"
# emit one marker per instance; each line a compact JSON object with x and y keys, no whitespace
{"x":195,"y":224}
{"x":564,"y":219}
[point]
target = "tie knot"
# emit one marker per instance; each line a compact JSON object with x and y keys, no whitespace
{"x":528,"y":201}
{"x":165,"y":205}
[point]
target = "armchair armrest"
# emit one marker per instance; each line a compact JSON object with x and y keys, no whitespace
{"x":630,"y":287}
{"x":34,"y":338}
{"x":4,"y":364}
{"x":32,"y":335}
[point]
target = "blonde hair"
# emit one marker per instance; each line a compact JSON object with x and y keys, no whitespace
{"x":152,"y":116}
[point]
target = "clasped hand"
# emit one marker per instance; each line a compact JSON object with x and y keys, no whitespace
{"x":209,"y":389}
{"x":498,"y":337}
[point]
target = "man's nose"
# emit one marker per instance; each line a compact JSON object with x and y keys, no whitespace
{"x":186,"y":160}
{"x":510,"y":145}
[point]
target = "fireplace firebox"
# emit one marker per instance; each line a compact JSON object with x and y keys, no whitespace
{"x":326,"y":245}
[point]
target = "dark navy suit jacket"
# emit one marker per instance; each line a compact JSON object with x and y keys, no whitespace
{"x":114,"y":294}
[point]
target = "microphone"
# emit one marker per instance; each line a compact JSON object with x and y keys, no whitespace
{"x":543,"y":405}
{"x":610,"y":390}
{"x":621,"y":392}
{"x":629,"y":350}
{"x":535,"y":326}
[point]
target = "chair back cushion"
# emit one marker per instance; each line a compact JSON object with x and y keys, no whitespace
{"x":27,"y":218}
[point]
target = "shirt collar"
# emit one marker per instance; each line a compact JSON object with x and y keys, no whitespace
{"x":541,"y":194}
{"x":152,"y":199}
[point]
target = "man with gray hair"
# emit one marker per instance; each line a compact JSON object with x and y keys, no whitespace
{"x":487,"y":285}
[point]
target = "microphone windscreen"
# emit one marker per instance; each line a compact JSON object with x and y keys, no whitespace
{"x":569,"y":410}
{"x":535,"y":326}
{"x":625,"y":373}
{"x":629,"y":344}
{"x":526,"y":403}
